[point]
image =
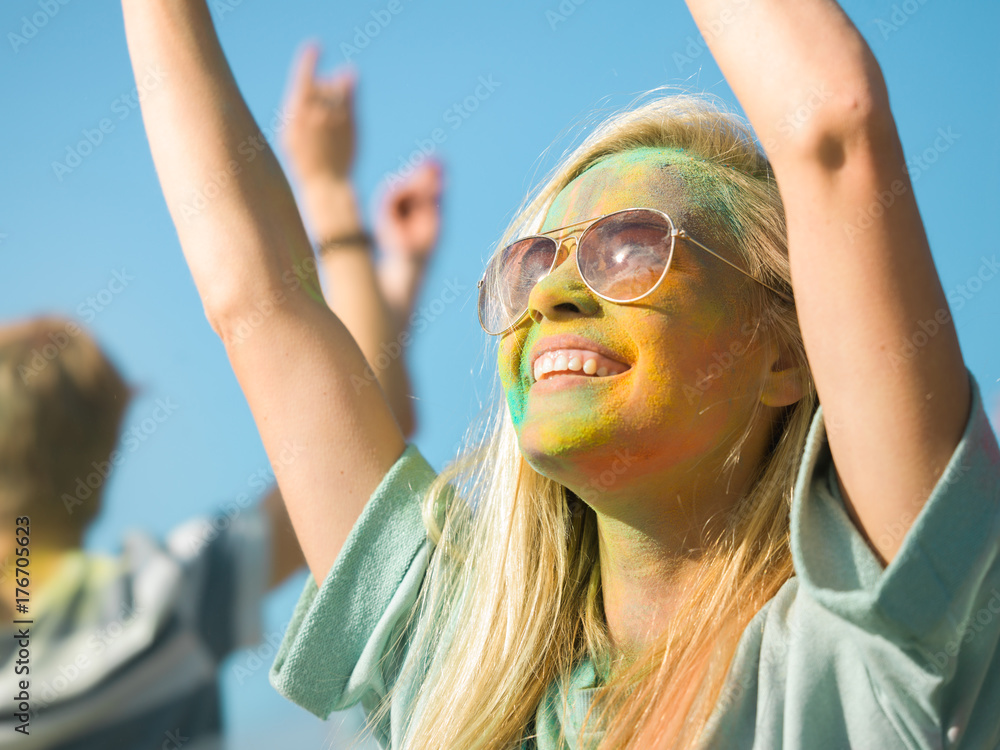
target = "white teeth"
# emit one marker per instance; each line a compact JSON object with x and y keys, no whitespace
{"x":562,"y":362}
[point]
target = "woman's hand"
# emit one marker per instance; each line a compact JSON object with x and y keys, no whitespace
{"x":320,"y":136}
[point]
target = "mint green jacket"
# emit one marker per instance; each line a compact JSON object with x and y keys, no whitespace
{"x":847,"y":655}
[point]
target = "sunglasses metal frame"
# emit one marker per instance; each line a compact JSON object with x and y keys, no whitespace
{"x":675,"y":232}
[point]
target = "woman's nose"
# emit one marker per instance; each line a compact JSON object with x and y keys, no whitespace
{"x":561,"y":294}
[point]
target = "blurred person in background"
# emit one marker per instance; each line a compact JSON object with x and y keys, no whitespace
{"x":125,"y":650}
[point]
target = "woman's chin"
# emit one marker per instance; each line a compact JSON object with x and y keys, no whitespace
{"x":567,"y":459}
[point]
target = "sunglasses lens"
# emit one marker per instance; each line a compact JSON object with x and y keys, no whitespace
{"x":624,"y":255}
{"x":510,"y":277}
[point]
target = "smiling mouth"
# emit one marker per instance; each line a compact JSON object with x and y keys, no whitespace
{"x":577,"y":362}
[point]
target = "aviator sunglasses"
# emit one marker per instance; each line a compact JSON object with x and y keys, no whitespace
{"x":622,"y":257}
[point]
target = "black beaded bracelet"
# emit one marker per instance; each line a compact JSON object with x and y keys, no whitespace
{"x":360,"y":239}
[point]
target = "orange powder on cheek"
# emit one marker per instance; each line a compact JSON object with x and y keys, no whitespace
{"x":658,"y":178}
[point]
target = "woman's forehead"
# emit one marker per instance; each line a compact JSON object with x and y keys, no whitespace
{"x":639,"y":178}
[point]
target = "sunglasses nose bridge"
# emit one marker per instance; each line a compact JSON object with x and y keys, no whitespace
{"x":555,"y":290}
{"x":564,"y":248}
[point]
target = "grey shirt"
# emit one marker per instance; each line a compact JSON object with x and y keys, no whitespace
{"x":124,"y":651}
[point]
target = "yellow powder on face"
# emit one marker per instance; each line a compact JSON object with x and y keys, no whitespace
{"x":680,"y":185}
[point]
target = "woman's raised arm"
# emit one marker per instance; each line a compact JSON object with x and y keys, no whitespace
{"x":865,"y":284}
{"x":330,"y":442}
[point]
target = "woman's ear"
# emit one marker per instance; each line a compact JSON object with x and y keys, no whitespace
{"x":785,"y":382}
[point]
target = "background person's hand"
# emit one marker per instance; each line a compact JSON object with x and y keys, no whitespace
{"x":320,"y":135}
{"x":409,"y":216}
{"x":407,"y":228}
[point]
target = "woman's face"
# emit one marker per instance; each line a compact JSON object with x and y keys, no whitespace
{"x":684,"y":379}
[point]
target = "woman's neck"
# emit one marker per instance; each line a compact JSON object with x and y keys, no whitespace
{"x":643,"y":584}
{"x":651,"y":553}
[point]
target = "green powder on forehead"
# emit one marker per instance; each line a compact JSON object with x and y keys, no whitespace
{"x":703,"y":188}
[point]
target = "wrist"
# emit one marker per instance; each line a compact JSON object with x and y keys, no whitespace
{"x":359,"y":240}
{"x":327,"y":184}
{"x":331,"y":206}
{"x":406,"y":257}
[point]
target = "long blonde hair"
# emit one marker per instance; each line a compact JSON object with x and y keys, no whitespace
{"x":512,"y":598}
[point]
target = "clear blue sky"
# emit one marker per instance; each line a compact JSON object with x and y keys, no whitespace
{"x":65,"y":232}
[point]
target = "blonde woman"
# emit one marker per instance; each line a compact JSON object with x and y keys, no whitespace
{"x":659,"y":541}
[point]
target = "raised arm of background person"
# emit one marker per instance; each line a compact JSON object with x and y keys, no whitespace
{"x":252,"y":264}
{"x":320,"y":140}
{"x":862,"y":270}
